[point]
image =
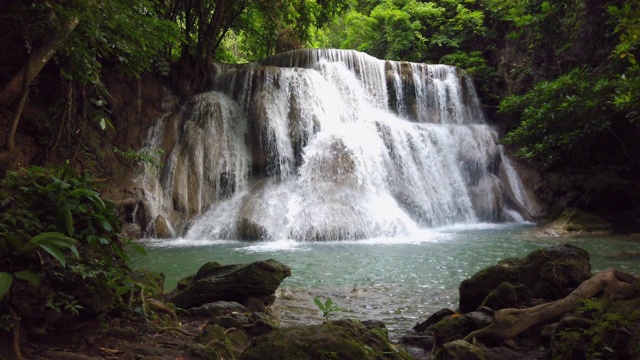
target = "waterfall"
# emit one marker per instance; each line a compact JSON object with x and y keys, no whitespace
{"x":327,"y":145}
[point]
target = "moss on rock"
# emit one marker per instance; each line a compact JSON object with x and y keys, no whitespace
{"x":574,"y":222}
{"x":340,"y":339}
{"x":550,"y":273}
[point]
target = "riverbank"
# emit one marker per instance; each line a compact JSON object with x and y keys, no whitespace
{"x":230,"y":327}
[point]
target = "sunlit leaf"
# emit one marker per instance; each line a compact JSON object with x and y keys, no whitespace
{"x":56,"y":253}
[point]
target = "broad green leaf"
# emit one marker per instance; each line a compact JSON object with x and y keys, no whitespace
{"x":122,"y":290}
{"x":104,"y":222}
{"x":328,"y":303}
{"x":5,"y":283}
{"x":56,"y":253}
{"x":68,"y":219}
{"x":53,"y":242}
{"x":318,"y":303}
{"x":29,"y":276}
{"x":138,"y":248}
{"x":52,"y":236}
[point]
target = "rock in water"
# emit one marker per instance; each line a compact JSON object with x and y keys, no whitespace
{"x":550,"y":273}
{"x":240,"y":283}
{"x":163,"y":230}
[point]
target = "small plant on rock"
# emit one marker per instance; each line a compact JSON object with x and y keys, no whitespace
{"x":328,"y":308}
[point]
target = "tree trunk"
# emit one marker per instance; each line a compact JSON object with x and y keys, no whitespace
{"x":40,"y":57}
{"x":508,"y":323}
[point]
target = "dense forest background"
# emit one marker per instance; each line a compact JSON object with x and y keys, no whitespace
{"x":559,"y":79}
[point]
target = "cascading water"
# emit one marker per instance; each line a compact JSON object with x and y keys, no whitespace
{"x":328,"y":145}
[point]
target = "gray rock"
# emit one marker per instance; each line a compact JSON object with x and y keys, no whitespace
{"x":239,"y":283}
{"x":162,"y":228}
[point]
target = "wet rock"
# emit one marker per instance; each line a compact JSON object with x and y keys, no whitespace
{"x":162,"y":228}
{"x":250,"y":230}
{"x":550,"y":273}
{"x":458,"y":326}
{"x":132,"y":230}
{"x":214,"y":282}
{"x":423,"y":341}
{"x":503,"y":297}
{"x":573,"y":222}
{"x":340,"y":339}
{"x":433,"y":319}
{"x":460,"y":350}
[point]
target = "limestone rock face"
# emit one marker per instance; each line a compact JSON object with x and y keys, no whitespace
{"x":549,"y":273}
{"x":240,"y":283}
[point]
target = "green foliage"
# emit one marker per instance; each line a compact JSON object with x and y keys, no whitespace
{"x":560,"y":119}
{"x":328,"y":308}
{"x":246,"y":30}
{"x":412,"y":30}
{"x":55,"y":230}
{"x":148,"y":157}
{"x":627,"y":20}
{"x":128,"y":34}
{"x":598,"y":341}
{"x":592,"y":305}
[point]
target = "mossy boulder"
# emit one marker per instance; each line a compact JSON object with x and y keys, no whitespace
{"x":242,"y":283}
{"x":574,"y":222}
{"x":340,"y":339}
{"x":550,"y":273}
{"x":503,"y":297}
{"x":457,"y":326}
{"x":459,"y":350}
{"x":606,"y":329}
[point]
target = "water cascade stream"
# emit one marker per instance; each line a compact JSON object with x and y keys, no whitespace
{"x":330,"y":145}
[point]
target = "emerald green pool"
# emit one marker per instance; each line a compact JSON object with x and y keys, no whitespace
{"x":399,"y":280}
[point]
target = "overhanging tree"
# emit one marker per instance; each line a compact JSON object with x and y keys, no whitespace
{"x":80,"y":35}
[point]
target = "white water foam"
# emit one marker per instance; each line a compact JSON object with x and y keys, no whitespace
{"x":311,"y":151}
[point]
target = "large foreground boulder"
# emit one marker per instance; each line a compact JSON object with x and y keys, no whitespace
{"x":252,"y":285}
{"x":341,"y":339}
{"x":549,"y":273}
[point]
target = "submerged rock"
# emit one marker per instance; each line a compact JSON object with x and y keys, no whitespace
{"x":250,"y":284}
{"x":340,"y":339}
{"x":550,"y":273}
{"x":573,"y":222}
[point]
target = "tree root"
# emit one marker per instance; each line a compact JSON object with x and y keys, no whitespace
{"x":174,"y":328}
{"x":160,"y":306}
{"x":508,"y":323}
{"x":16,"y":334}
